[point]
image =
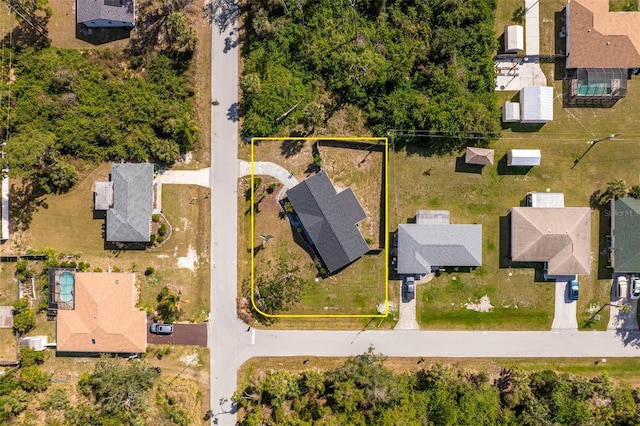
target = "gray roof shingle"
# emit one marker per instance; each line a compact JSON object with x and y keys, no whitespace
{"x":329,"y":218}
{"x":423,"y":247}
{"x":129,"y":219}
{"x":626,"y":242}
{"x":108,"y":13}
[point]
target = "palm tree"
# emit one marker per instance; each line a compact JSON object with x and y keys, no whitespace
{"x":313,"y":115}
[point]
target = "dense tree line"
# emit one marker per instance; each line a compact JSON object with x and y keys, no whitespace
{"x":422,"y":64}
{"x":363,"y":392}
{"x":64,"y":103}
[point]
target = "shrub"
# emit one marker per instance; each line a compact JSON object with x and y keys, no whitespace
{"x":21,"y":265}
{"x":152,"y":239}
{"x":29,"y":357}
{"x":83,"y":266}
{"x":32,"y":378}
{"x":97,"y":269}
{"x":150,"y":270}
{"x":162,"y":230}
{"x":369,"y":241}
{"x":635,"y":191}
{"x":24,"y":322}
{"x":20,"y":305}
{"x":155,"y":218}
{"x":160,"y":239}
{"x":57,"y":401}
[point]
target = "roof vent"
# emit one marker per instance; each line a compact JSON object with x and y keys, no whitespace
{"x":117,"y":281}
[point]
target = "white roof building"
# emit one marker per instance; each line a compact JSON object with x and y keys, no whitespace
{"x":513,"y":38}
{"x":511,"y":112}
{"x":523,"y":157}
{"x":536,"y":104}
{"x":545,"y":199}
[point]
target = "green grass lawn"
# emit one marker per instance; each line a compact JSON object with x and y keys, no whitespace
{"x":8,"y":345}
{"x":8,"y":290}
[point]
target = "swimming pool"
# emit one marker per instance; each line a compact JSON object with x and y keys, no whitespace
{"x":66,"y":286}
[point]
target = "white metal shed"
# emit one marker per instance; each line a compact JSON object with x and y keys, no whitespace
{"x":524,"y":157}
{"x":511,"y":112}
{"x":513,"y":38}
{"x":536,"y":104}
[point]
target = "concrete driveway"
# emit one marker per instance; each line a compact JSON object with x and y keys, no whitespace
{"x":565,"y":309}
{"x":407,"y":313}
{"x":619,"y":320}
{"x":183,"y":334}
{"x":184,"y":177}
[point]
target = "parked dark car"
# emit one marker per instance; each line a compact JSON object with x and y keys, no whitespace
{"x":161,"y":328}
{"x":574,"y":290}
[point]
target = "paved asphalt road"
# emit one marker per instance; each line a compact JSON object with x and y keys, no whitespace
{"x":183,"y":334}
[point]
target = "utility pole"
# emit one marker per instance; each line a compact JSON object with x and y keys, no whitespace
{"x":593,"y":143}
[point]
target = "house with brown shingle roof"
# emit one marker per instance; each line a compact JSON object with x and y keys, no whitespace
{"x":560,"y":237}
{"x":104,"y":318}
{"x":603,"y":48}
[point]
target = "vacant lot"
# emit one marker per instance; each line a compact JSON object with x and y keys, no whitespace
{"x":188,"y":365}
{"x":359,"y":288}
{"x":618,"y":369}
{"x":65,"y":222}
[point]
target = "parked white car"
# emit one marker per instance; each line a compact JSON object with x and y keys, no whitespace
{"x":634,"y":293}
{"x":620,"y":287}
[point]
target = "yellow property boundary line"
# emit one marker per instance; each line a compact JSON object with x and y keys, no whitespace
{"x":386,"y":228}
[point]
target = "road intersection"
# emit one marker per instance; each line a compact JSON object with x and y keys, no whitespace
{"x":232,"y":343}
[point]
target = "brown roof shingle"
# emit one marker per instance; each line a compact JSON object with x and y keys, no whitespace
{"x":105,"y":318}
{"x":559,"y":236}
{"x":598,"y":38}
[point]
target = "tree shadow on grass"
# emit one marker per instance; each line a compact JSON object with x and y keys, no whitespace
{"x":289,"y":148}
{"x":25,"y":200}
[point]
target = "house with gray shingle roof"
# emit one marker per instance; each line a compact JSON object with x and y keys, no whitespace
{"x":129,"y":214}
{"x":106,"y":13}
{"x":329,"y":219}
{"x":433,"y":242}
{"x":625,"y":235}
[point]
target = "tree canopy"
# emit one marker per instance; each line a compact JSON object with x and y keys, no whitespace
{"x":67,"y":103}
{"x":424,"y":65}
{"x":363,"y":391}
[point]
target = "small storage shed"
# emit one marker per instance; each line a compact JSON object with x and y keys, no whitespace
{"x":523,"y":157}
{"x":536,"y":104}
{"x":511,"y":112}
{"x":480,"y":156}
{"x":513,"y":38}
{"x":37,"y":343}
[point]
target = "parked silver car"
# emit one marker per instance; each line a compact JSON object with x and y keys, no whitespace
{"x":161,"y":328}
